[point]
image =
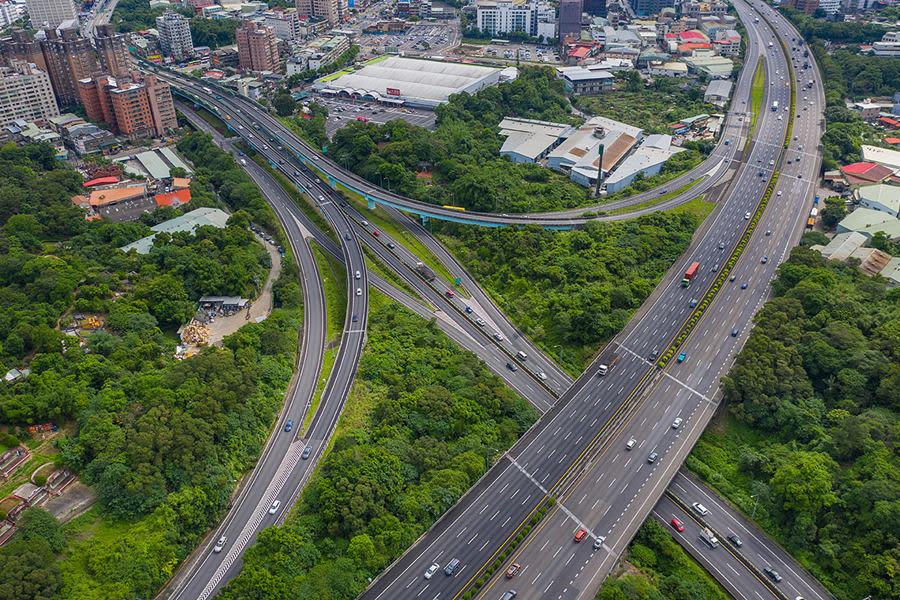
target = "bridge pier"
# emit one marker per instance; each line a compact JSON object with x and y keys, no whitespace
{"x":370,"y":202}
{"x":424,"y":219}
{"x":331,"y":181}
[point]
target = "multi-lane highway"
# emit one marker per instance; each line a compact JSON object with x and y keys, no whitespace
{"x":283,"y":469}
{"x":649,"y":332}
{"x":577,"y":454}
{"x":744,"y":552}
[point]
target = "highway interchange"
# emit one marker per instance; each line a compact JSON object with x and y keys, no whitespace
{"x":599,"y":486}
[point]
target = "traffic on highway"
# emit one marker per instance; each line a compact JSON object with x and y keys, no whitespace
{"x":607,"y":449}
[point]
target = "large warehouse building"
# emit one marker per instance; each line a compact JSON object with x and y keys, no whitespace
{"x":415,"y":82}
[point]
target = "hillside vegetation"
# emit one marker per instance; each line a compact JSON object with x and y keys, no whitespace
{"x":814,"y":404}
{"x":571,"y":291}
{"x":423,"y":422}
{"x":161,"y":441}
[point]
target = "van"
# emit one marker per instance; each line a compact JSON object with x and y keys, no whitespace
{"x":521,"y":355}
{"x":602,"y":370}
{"x":451,"y":567}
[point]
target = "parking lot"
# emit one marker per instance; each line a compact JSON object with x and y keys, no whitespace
{"x":343,"y":110}
{"x":509,"y":53}
{"x":422,"y":38}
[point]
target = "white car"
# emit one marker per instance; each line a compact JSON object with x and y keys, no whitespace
{"x":700,"y":509}
{"x":275,"y":506}
{"x":359,"y":291}
{"x":677,"y":423}
{"x":432,"y":570}
{"x":220,"y":544}
{"x":746,"y":215}
{"x":542,"y":376}
{"x":357,"y":275}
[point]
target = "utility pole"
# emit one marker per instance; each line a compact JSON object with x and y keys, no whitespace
{"x":599,"y":171}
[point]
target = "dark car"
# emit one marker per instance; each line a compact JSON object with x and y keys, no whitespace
{"x":347,"y":236}
{"x":735,"y":332}
{"x":306,"y":452}
{"x":651,"y":458}
{"x":391,"y":245}
{"x":734,"y":539}
{"x":354,"y":318}
{"x":744,"y":286}
{"x":512,"y":366}
{"x":289,"y":425}
{"x":772,"y":574}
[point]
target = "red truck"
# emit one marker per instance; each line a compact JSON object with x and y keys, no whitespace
{"x":689,"y":274}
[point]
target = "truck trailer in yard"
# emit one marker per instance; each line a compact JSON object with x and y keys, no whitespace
{"x":689,"y":274}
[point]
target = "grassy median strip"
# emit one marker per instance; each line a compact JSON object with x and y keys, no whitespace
{"x":756,"y":95}
{"x":334,"y":281}
{"x":700,"y":207}
{"x":374,"y":264}
{"x":302,"y":200}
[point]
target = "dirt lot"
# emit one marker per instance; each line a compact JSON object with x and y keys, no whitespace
{"x":259,"y":309}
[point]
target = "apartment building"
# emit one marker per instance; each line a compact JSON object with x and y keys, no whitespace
{"x":327,"y":10}
{"x":570,"y":18}
{"x":286,"y":23}
{"x":174,"y":36}
{"x":25,"y":93}
{"x":112,"y":48}
{"x":69,"y":57}
{"x":257,"y":47}
{"x":496,"y":17}
{"x":50,"y":13}
{"x":22,"y":47}
{"x":134,"y":106}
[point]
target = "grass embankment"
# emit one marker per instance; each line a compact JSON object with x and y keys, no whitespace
{"x":401,"y":234}
{"x":300,"y":199}
{"x":655,"y":201}
{"x":756,"y":95}
{"x":214,"y":121}
{"x":699,"y":207}
{"x":657,"y":567}
{"x":334,"y":282}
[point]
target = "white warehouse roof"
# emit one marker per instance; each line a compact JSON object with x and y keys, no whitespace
{"x":425,"y":82}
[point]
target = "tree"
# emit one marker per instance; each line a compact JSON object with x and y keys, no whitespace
{"x":835,"y":210}
{"x":38,"y":524}
{"x":29,"y":571}
{"x":166,"y":299}
{"x":284,"y":104}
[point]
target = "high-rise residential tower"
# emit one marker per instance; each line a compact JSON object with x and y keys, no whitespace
{"x":25,"y":93}
{"x":174,"y":36}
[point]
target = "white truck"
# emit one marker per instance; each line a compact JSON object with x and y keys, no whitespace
{"x":774,"y":105}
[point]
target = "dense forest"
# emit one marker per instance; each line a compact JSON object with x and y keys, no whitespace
{"x":461,"y":157}
{"x":665,"y":571}
{"x":423,"y":422}
{"x":811,"y":445}
{"x":161,"y":441}
{"x":572,"y":291}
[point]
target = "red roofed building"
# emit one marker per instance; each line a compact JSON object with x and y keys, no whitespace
{"x":864,"y":173}
{"x":173,"y":199}
{"x":101,"y":181}
{"x":692,"y":35}
{"x":892,"y":140}
{"x":688,"y":48}
{"x":889,"y":122}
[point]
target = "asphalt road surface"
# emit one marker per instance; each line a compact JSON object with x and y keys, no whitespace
{"x":578,"y":455}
